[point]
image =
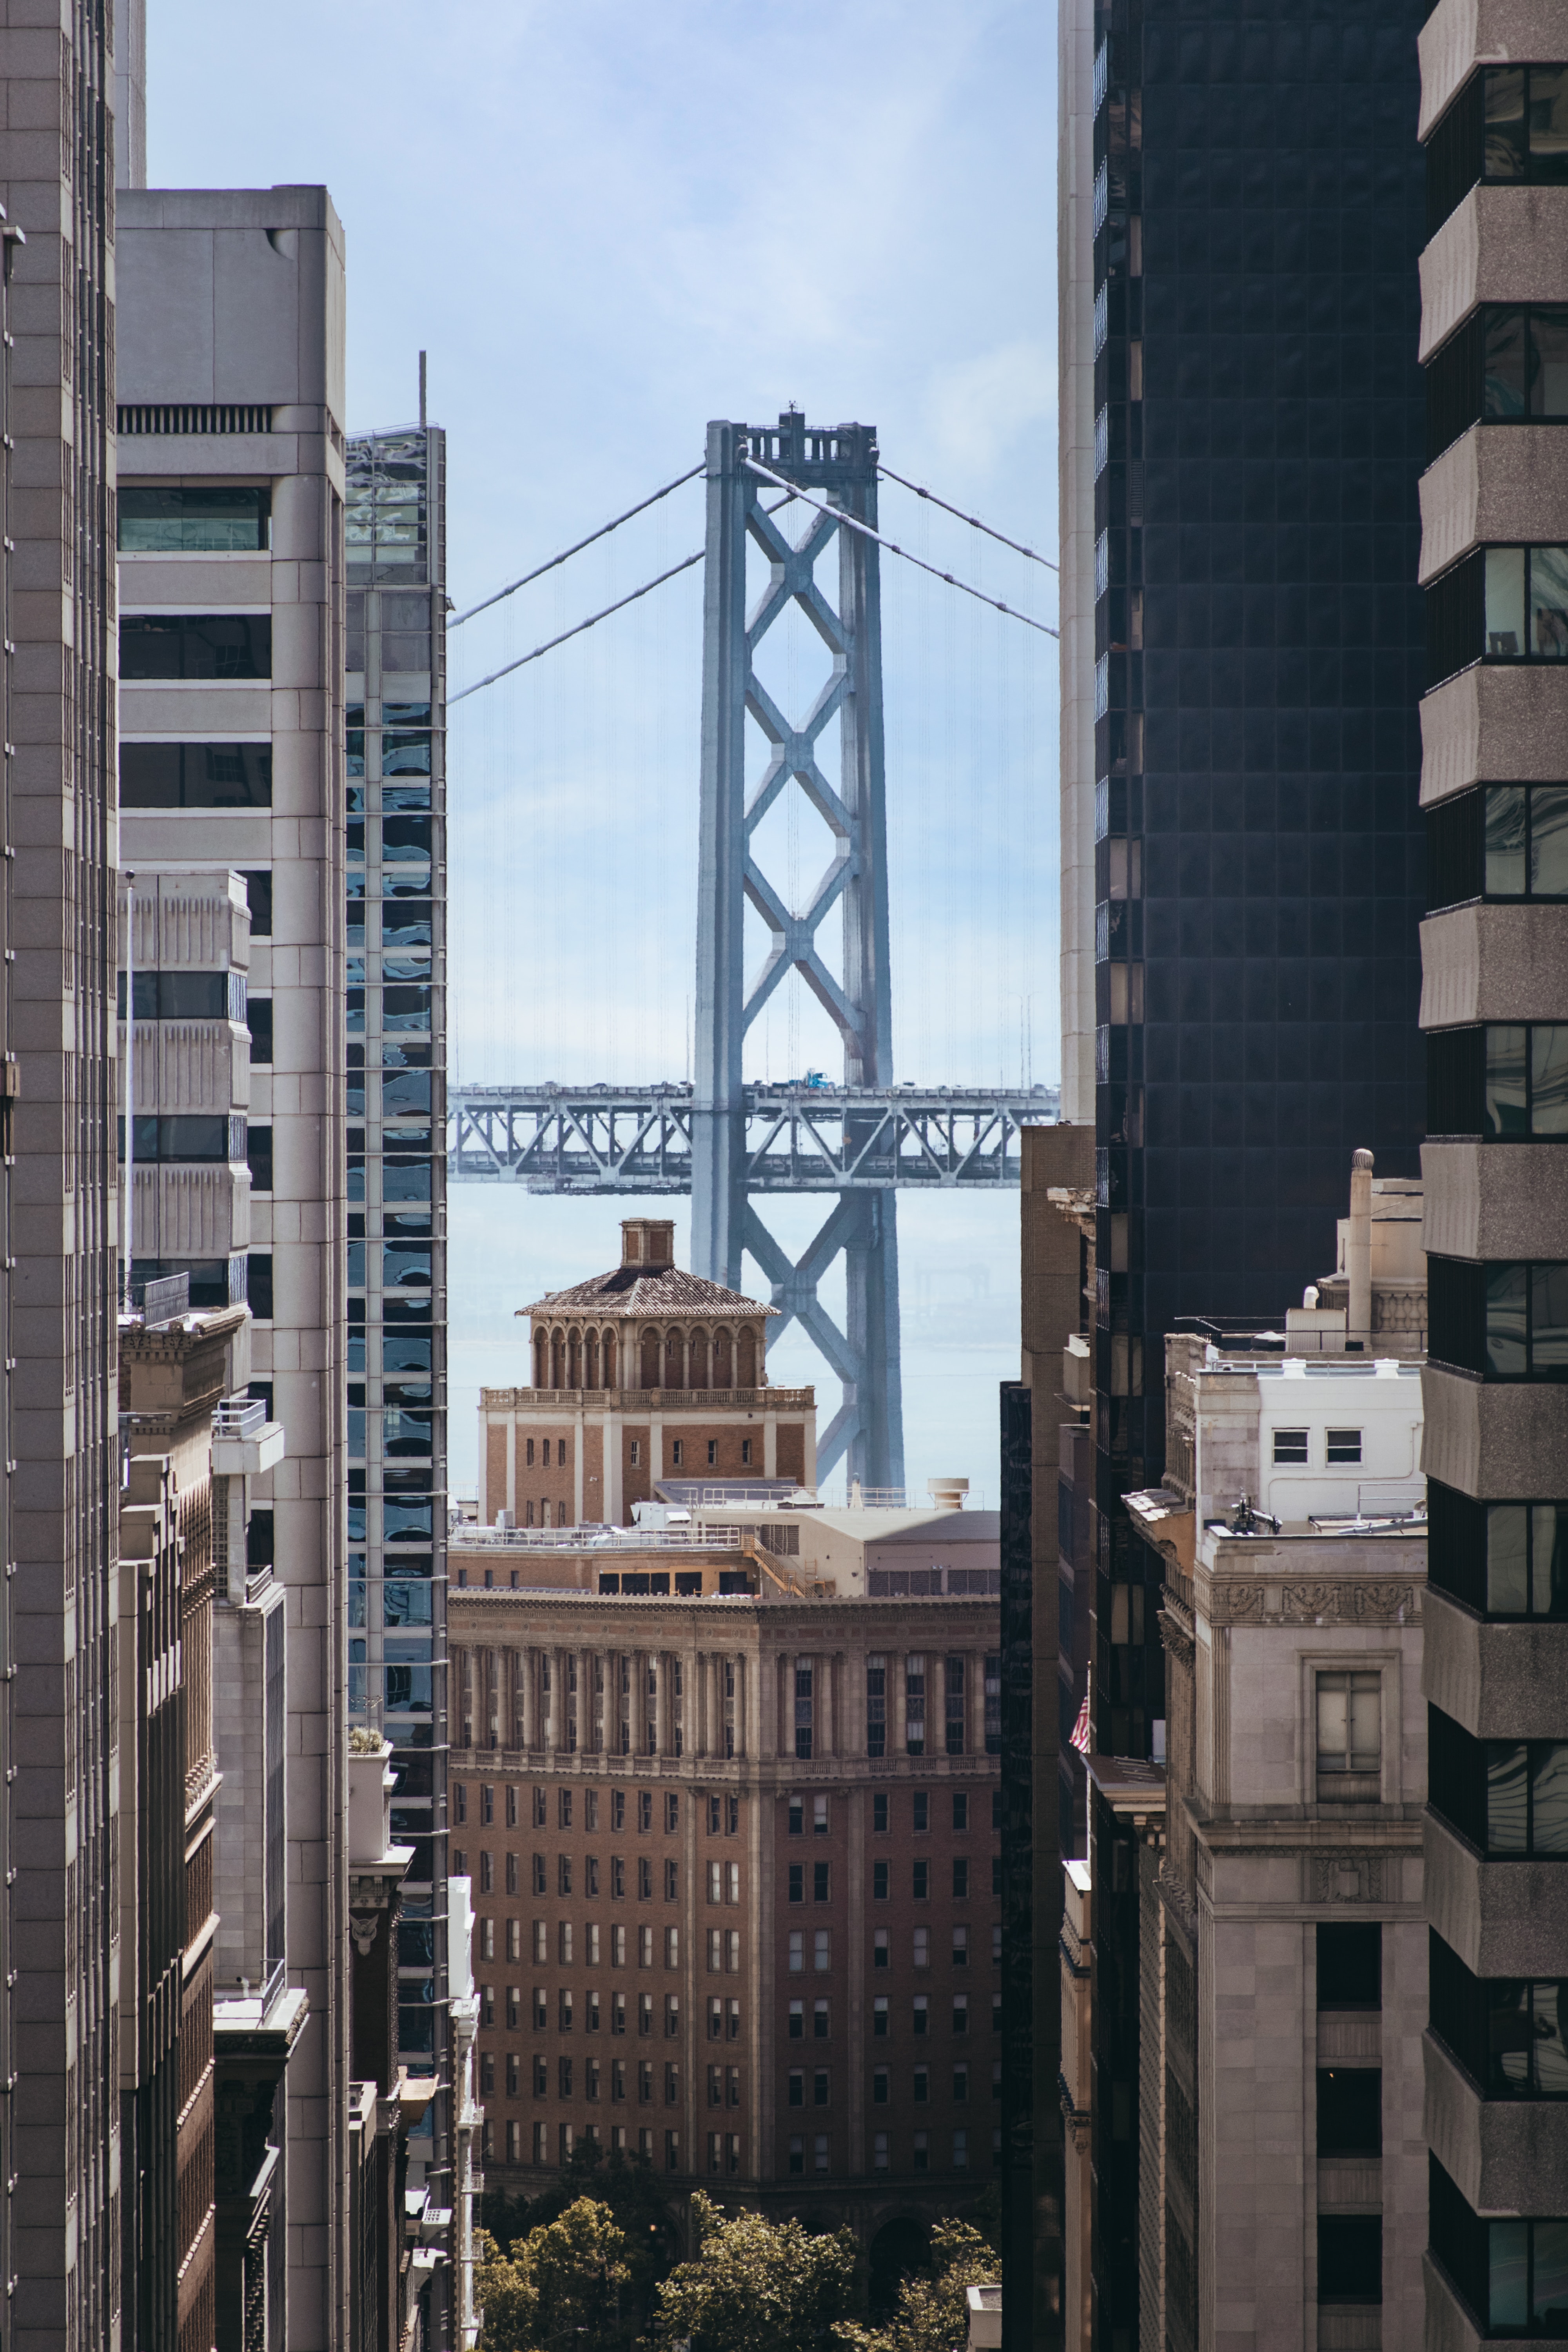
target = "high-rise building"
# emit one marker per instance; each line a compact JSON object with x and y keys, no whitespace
{"x":230,"y":401}
{"x":1494,"y":787}
{"x":62,"y":2187}
{"x":1249,"y":493}
{"x":395,"y":1102}
{"x":736,"y":1875}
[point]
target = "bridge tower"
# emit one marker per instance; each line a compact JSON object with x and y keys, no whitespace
{"x":839,"y":467}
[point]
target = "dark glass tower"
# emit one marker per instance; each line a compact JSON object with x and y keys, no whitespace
{"x":1258,"y":216}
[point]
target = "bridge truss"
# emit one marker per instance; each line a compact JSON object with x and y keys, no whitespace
{"x":726,"y":1142}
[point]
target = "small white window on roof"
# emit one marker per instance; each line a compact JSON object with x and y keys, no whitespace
{"x":1343,"y":1445}
{"x":1291,"y":1445}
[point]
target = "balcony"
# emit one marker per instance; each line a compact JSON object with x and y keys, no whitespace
{"x":244,"y":1442}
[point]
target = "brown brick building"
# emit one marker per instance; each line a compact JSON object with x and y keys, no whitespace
{"x":735,"y":1863}
{"x":643,"y":1373}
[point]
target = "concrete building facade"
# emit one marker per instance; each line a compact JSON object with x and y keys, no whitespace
{"x":230,"y":404}
{"x":1494,"y":787}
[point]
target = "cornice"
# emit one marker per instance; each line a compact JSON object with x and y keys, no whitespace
{"x":1312,"y":1600}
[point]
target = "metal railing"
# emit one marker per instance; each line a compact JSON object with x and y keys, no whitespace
{"x":240,"y":1416}
{"x":714,"y":1537}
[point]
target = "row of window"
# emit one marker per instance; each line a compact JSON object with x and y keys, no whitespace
{"x":882,"y":1815}
{"x":1500,"y":841}
{"x":1341,"y":1447}
{"x":1507,"y":1797}
{"x":1513,"y":2276}
{"x":1507,"y":2033}
{"x":724,"y":1945}
{"x":1500,"y":604}
{"x":723,"y":2015}
{"x":1508,"y":364}
{"x":1507,"y":1322}
{"x":916,"y":1717}
{"x":643,"y":1815}
{"x":1507,"y":1082}
{"x":881,"y":1877}
{"x":1507,"y":127}
{"x":1502,"y":1559}
{"x":723,"y":1878}
{"x":919,"y":2145}
{"x":723,"y":2147}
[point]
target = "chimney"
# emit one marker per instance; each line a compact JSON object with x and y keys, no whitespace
{"x":947,"y":1493}
{"x":647,"y":1243}
{"x":1358,"y":1250}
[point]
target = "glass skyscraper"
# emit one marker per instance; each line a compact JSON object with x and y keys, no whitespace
{"x":395,"y":724}
{"x":1256,"y":210}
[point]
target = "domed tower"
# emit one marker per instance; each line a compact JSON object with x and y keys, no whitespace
{"x":641,"y":1377}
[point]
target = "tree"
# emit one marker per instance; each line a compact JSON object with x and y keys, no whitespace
{"x":628,"y":2186}
{"x":757,"y":2285}
{"x":559,"y":2290}
{"x":932,"y":2313}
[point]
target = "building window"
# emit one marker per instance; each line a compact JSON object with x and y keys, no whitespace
{"x":796,"y":1816}
{"x":1350,"y":2258}
{"x":732,"y":1882}
{"x":1500,"y":604}
{"x":821,"y":2021}
{"x":797,"y":1882}
{"x":961,"y":1876}
{"x":915,"y":1707}
{"x":993,"y":1706}
{"x":877,"y":1715}
{"x":879,"y":2016}
{"x":960,"y":1948}
{"x":797,"y":2021}
{"x":1509,"y":1559}
{"x":797,"y":2153}
{"x":677,"y":1453}
{"x":922,"y":1954}
{"x":921,"y":1810}
{"x":797,"y":1951}
{"x":879,"y":2087}
{"x":922,"y":1888}
{"x":961,"y":2012}
{"x":961,"y":2151}
{"x":563,"y":1941}
{"x":1507,"y":2033}
{"x":1349,"y":2112}
{"x":1506,"y":126}
{"x":919,"y":2020}
{"x":1290,"y":1445}
{"x":672,"y":1948}
{"x":878,"y":1814}
{"x":540,"y":2143}
{"x":732,"y":2013}
{"x":713,"y":1451}
{"x":922,"y":2086}
{"x":819,"y":1816}
{"x":879,"y":2151}
{"x":820,"y":1872}
{"x":879,"y":1947}
{"x":822,"y":1950}
{"x":540,"y":2009}
{"x":1350,"y":1740}
{"x":459,"y":1802}
{"x":745,"y":1453}
{"x":563,"y":2010}
{"x":645,"y":1948}
{"x":731,"y":1951}
{"x":952,"y":1683}
{"x":672,"y":2151}
{"x":921,"y":2152}
{"x":796,"y":2086}
{"x":879,"y":1882}
{"x":1342,"y":1446}
{"x":802,"y":1707}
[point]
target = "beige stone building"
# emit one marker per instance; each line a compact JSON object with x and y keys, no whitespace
{"x":1259,"y":1954}
{"x":642,"y":1374}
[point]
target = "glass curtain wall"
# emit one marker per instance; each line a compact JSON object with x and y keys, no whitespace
{"x":395,"y":1012}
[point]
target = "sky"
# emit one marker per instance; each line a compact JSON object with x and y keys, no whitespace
{"x":608,"y":224}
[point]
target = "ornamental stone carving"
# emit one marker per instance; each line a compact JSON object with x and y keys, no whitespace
{"x":1235,"y":1605}
{"x":1328,"y":1601}
{"x":1176,"y":1639}
{"x":1346,"y":1877}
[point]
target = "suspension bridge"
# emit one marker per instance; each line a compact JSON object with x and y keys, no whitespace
{"x":726,"y":1142}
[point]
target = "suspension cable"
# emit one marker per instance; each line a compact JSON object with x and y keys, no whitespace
{"x":603,"y":532}
{"x":972,"y":520}
{"x":594,"y":618}
{"x":851,"y":523}
{"x":577,"y":632}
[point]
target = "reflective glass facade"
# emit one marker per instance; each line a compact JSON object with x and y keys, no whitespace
{"x":1259,"y":642}
{"x":395,"y":723}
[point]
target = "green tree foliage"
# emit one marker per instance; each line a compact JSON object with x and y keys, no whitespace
{"x":629,"y":2186}
{"x":932,"y":2313}
{"x":559,"y":2288}
{"x":757,"y":2285}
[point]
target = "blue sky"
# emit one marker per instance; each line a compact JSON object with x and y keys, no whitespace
{"x":608,"y":224}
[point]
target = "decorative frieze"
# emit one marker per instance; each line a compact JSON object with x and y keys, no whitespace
{"x":1336,"y":1601}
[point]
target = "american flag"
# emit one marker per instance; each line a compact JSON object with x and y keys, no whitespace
{"x":1080,"y":1729}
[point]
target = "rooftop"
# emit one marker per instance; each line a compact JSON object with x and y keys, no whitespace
{"x":628,"y":1290}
